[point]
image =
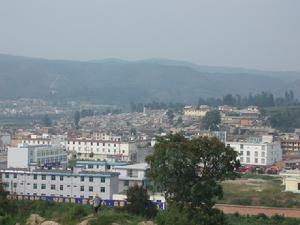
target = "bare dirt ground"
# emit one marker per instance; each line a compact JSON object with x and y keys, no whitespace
{"x":255,"y":210}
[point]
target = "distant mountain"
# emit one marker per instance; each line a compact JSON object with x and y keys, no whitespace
{"x":119,"y":81}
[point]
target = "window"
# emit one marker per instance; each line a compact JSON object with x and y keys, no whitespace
{"x":102,"y":179}
{"x":91,"y":179}
{"x":52,"y":186}
{"x":241,"y":152}
{"x":43,"y":177}
{"x":81,"y":179}
{"x":241,"y":159}
{"x":15,"y":185}
{"x":298,"y":186}
{"x":248,"y":153}
{"x":90,"y":166}
{"x":263,"y":147}
{"x":263,"y":154}
{"x":61,"y":187}
{"x":241,"y":146}
{"x":256,"y":160}
{"x":61,"y":178}
{"x":53,"y":177}
{"x":255,"y":153}
{"x":43,"y":186}
{"x":81,"y":188}
{"x":91,"y":189}
{"x":15,"y":175}
{"x":108,"y":167}
{"x":35,"y":176}
{"x":7,"y":175}
{"x":248,"y":160}
{"x":262,"y":160}
{"x":102,"y":189}
{"x":126,"y":183}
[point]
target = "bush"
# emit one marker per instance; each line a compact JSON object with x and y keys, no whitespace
{"x":178,"y":214}
{"x":138,"y":202}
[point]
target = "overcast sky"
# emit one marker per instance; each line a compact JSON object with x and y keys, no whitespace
{"x":262,"y":34}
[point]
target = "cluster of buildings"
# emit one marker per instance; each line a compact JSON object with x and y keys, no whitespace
{"x":108,"y":152}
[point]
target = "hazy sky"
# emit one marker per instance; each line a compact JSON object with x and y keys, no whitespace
{"x":263,"y":34}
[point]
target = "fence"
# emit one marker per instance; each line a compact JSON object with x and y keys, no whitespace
{"x":79,"y":201}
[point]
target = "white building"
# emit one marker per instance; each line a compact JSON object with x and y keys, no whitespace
{"x":291,"y":180}
{"x":195,"y":112}
{"x":257,"y":153}
{"x":26,"y":155}
{"x":100,"y":166}
{"x":59,"y":183}
{"x":102,"y":149}
{"x":131,"y":175}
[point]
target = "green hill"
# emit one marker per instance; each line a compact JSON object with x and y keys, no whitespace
{"x":118,"y":81}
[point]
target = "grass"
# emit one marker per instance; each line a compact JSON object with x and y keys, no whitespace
{"x":259,"y":190}
{"x":261,"y":219}
{"x":71,"y":214}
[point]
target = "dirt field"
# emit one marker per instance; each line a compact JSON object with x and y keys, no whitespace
{"x":255,"y":210}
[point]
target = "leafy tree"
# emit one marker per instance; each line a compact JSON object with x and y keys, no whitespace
{"x":170,"y":115}
{"x":133,"y":131}
{"x":190,"y":171}
{"x":139,"y":203}
{"x":46,"y":121}
{"x":211,"y":120}
{"x":179,"y":121}
{"x":160,"y":130}
{"x":76,"y":118}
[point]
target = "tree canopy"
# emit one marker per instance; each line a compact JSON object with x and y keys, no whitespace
{"x":190,"y":171}
{"x":211,"y":120}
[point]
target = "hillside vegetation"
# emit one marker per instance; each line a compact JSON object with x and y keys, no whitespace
{"x":115,"y":81}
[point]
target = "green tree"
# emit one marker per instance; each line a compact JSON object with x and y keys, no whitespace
{"x":76,"y":118}
{"x":139,"y":203}
{"x":46,"y":121}
{"x":211,"y":120}
{"x":190,"y":171}
{"x":170,"y":115}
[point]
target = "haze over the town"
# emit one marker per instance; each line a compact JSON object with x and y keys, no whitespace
{"x":251,"y":33}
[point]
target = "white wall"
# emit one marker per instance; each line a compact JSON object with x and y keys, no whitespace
{"x":17,"y":157}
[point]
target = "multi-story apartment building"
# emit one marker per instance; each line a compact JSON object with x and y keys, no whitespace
{"x":59,"y":183}
{"x":130,"y":174}
{"x":290,"y":145}
{"x":26,"y":155}
{"x":88,"y":149}
{"x":257,"y":152}
{"x":102,"y":166}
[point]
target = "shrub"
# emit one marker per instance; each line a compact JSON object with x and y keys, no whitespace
{"x":138,"y":202}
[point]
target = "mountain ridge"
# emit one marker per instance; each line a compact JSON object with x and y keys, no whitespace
{"x":120,"y":82}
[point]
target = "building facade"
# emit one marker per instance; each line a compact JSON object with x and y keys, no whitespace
{"x":257,"y":153}
{"x":26,"y":155}
{"x":86,"y":149}
{"x":291,"y":180}
{"x":59,"y":183}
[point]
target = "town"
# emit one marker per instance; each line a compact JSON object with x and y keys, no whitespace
{"x":83,"y":153}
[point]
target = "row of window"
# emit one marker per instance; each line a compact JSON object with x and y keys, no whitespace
{"x":255,"y":160}
{"x":263,"y":154}
{"x":53,"y":177}
{"x":61,"y":187}
{"x":97,"y":150}
{"x":91,"y":143}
